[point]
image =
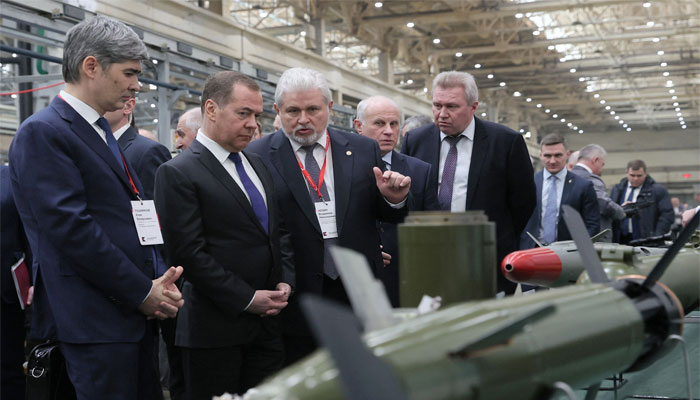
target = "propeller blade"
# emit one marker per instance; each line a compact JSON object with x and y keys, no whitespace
{"x":585,"y":247}
{"x":363,"y":375}
{"x":670,"y":254}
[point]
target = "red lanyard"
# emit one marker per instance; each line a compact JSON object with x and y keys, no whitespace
{"x":315,"y":187}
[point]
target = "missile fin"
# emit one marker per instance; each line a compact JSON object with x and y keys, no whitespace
{"x":585,"y":247}
{"x":367,"y":295}
{"x":362,"y":374}
{"x":670,"y":254}
{"x":598,"y":236}
{"x":502,"y":333}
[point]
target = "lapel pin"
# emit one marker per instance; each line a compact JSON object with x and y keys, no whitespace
{"x":348,"y":153}
{"x":570,"y":180}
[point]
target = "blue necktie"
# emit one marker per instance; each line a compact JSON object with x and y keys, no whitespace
{"x":448,"y":174}
{"x":111,"y":141}
{"x":256,"y":199}
{"x":549,"y":223}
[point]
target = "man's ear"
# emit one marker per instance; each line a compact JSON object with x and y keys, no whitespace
{"x":90,"y":67}
{"x":210,"y":109}
{"x":358,"y":126}
{"x":129,"y":106}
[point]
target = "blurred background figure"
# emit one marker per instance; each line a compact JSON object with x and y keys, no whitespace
{"x":187,"y":127}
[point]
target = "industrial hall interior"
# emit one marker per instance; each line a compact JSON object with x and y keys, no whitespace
{"x":349,"y":199}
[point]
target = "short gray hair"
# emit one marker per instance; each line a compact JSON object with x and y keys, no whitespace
{"x":450,"y":79}
{"x":192,"y":118}
{"x":106,"y":39}
{"x":300,"y":80}
{"x":590,"y":151}
{"x":362,"y":106}
{"x":416,"y":121}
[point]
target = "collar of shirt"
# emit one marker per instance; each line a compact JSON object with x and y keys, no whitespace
{"x":296,"y":145}
{"x":468,"y":132}
{"x":119,"y":132}
{"x":561,"y":175}
{"x":387,"y":158}
{"x":88,"y":113}
{"x":584,"y":166}
{"x":219,"y":152}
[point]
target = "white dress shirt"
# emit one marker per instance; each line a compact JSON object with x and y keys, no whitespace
{"x":464,"y":159}
{"x":88,"y":113}
{"x":222,"y":154}
{"x":387,"y":160}
{"x":546,"y":183}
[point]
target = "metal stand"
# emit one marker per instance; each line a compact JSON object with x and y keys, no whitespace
{"x":618,"y":381}
{"x":689,"y":384}
{"x":564,"y":387}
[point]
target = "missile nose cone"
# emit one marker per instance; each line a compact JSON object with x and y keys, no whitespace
{"x":539,"y":266}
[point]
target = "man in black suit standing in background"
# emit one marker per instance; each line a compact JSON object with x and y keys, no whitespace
{"x":331,"y":189}
{"x":479,"y":165}
{"x":219,"y":218}
{"x":378,"y":118}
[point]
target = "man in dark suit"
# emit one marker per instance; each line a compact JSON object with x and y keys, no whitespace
{"x":14,"y":246}
{"x":144,"y":154}
{"x":331,"y":190}
{"x":653,"y":219}
{"x":378,"y":118}
{"x":556,"y":185}
{"x":221,"y":223}
{"x":94,"y":283}
{"x":479,"y":165}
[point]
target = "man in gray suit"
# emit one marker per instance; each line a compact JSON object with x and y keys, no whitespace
{"x":590,"y":166}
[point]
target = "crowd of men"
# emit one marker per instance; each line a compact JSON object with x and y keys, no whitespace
{"x":246,"y":225}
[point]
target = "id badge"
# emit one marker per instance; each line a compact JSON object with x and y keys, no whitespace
{"x":325,"y":212}
{"x":146,"y":221}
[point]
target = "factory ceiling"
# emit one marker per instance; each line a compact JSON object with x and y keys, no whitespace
{"x":594,"y":65}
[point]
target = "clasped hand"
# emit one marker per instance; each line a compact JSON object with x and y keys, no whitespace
{"x":165,"y":298}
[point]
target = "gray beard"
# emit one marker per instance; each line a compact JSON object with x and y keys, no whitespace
{"x":305,"y":140}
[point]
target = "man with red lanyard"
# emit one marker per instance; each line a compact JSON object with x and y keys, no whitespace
{"x":91,"y":232}
{"x":331,"y":189}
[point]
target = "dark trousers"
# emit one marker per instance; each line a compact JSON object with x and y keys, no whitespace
{"x":115,"y":371}
{"x":175,"y":376}
{"x":12,"y":351}
{"x":298,"y":346}
{"x":233,"y":369}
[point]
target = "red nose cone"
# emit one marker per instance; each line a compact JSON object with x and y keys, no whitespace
{"x":538,"y":266}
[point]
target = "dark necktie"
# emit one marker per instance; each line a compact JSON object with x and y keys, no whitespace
{"x":256,"y":199}
{"x":314,"y":171}
{"x":111,"y":142}
{"x":549,"y":222}
{"x":448,"y":174}
{"x":634,"y":220}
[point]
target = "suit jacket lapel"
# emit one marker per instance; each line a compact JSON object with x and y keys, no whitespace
{"x":267,"y":185}
{"x":398,"y":163}
{"x":433,"y":152}
{"x":538,"y":188}
{"x":284,"y":160}
{"x":219,"y":172}
{"x":479,"y":150}
{"x":566,"y":193}
{"x":87,"y":133}
{"x":342,"y":175}
{"x":127,"y":138}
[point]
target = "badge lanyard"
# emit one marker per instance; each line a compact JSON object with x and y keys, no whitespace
{"x":317,"y":188}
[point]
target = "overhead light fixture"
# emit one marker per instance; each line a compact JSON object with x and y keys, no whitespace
{"x":502,"y":84}
{"x":547,"y":110}
{"x":458,"y":54}
{"x":539,"y":105}
{"x":669,"y":83}
{"x":679,"y":114}
{"x":528,"y":14}
{"x":581,"y":79}
{"x":624,"y":125}
{"x":425,"y":90}
{"x":666,"y":73}
{"x":572,"y":70}
{"x":612,"y":112}
{"x":410,"y":81}
{"x":602,"y":102}
{"x":522,"y":130}
{"x":528,"y":134}
{"x":629,"y":129}
{"x":563,"y":120}
{"x":155,"y":120}
{"x":674,"y":97}
{"x":483,"y":114}
{"x":516,"y":94}
{"x":518,"y":15}
{"x":596,"y":95}
{"x":490,"y":76}
{"x":607,"y":107}
{"x":650,"y":24}
{"x":655,"y":40}
{"x":378,"y":4}
{"x":646,"y":4}
{"x":555,"y":116}
{"x":551,"y":47}
{"x":664,"y":64}
{"x":528,"y":99}
{"x":477,"y":66}
{"x":155,"y":62}
{"x":580,"y":131}
{"x":675,"y":104}
{"x":562,"y":59}
{"x":678,"y":108}
{"x":569,"y":124}
{"x":672,"y":91}
{"x":617,"y":117}
{"x":410,"y":25}
{"x":302,"y":33}
{"x":683,"y":126}
{"x":536,"y":33}
{"x":436,"y":40}
{"x":660,"y":53}
{"x":152,"y":86}
{"x":620,"y":122}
